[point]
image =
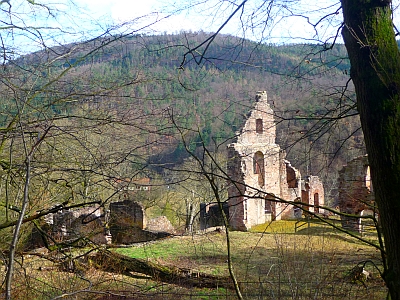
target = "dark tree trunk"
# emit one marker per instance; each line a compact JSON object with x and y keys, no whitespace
{"x":375,"y":70}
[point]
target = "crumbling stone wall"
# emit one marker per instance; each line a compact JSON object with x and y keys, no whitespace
{"x":290,"y":186}
{"x":312,"y":194}
{"x":160,"y":224}
{"x":85,"y":222}
{"x":260,"y":174}
{"x":70,"y":226}
{"x":127,"y":221}
{"x":254,"y":166}
{"x":236,"y":189}
{"x":123,"y":223}
{"x":128,"y":224}
{"x":355,"y":192}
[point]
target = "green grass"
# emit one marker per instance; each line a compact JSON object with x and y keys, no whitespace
{"x":167,"y":249}
{"x":289,"y":226}
{"x":316,"y":260}
{"x":275,"y":227}
{"x":270,"y":262}
{"x":178,"y":247}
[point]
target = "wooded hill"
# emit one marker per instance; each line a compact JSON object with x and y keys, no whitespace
{"x":171,"y":82}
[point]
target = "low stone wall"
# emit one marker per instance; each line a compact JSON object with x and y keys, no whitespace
{"x":123,"y":223}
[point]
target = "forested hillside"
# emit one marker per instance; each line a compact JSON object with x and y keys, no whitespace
{"x":210,"y":93}
{"x":148,"y":118}
{"x":152,"y":94}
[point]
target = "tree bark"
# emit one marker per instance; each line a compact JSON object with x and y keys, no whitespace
{"x":375,"y":70}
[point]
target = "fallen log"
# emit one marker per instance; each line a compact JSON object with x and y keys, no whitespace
{"x":116,"y":263}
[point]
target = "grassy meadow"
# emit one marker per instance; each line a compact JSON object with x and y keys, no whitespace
{"x":272,"y":261}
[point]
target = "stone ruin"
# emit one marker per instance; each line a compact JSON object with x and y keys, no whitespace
{"x":77,"y":226}
{"x":160,"y":224}
{"x":260,"y":175}
{"x":355,"y":193}
{"x":210,"y":215}
{"x":127,"y":221}
{"x":124,"y":223}
{"x":81,"y":222}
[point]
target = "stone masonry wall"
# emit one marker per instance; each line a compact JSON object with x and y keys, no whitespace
{"x":124,"y":223}
{"x":127,"y":221}
{"x":259,"y":173}
{"x":313,"y":193}
{"x":236,"y":189}
{"x":250,"y":156}
{"x":290,"y":186}
{"x":355,"y":191}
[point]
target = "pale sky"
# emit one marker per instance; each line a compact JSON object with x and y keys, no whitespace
{"x":78,"y":20}
{"x":198,"y":19}
{"x":151,"y":11}
{"x":159,"y":16}
{"x":83,"y":19}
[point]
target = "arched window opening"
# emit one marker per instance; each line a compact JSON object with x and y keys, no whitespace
{"x":259,"y":126}
{"x":291,"y":177}
{"x":258,"y":166}
{"x":268,"y":206}
{"x":316,"y":202}
{"x":368,"y":179}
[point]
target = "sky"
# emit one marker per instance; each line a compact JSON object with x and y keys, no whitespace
{"x":150,"y":10}
{"x":194,"y":19}
{"x":84,"y":19}
{"x":27,"y":25}
{"x":199,"y":18}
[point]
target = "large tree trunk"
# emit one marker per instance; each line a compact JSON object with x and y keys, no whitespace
{"x":375,"y":70}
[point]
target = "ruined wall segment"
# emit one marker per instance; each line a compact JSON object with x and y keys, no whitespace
{"x":355,"y":191}
{"x":290,"y":186}
{"x":260,"y":173}
{"x":81,"y":222}
{"x":127,"y":221}
{"x":236,"y":188}
{"x":313,"y":194}
{"x":260,"y":127}
{"x":253,"y":166}
{"x":123,"y":223}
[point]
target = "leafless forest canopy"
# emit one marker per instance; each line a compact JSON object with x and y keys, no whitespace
{"x":79,"y":120}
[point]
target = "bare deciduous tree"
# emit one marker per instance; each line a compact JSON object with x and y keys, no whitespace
{"x":369,"y":36}
{"x":61,"y":146}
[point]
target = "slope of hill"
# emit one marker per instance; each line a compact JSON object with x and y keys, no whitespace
{"x":170,"y":81}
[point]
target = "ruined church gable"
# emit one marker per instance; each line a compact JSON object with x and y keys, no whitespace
{"x":259,"y":168}
{"x":260,"y":126}
{"x":257,"y":149}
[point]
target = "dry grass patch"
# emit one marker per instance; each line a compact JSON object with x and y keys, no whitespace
{"x":314,"y":263}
